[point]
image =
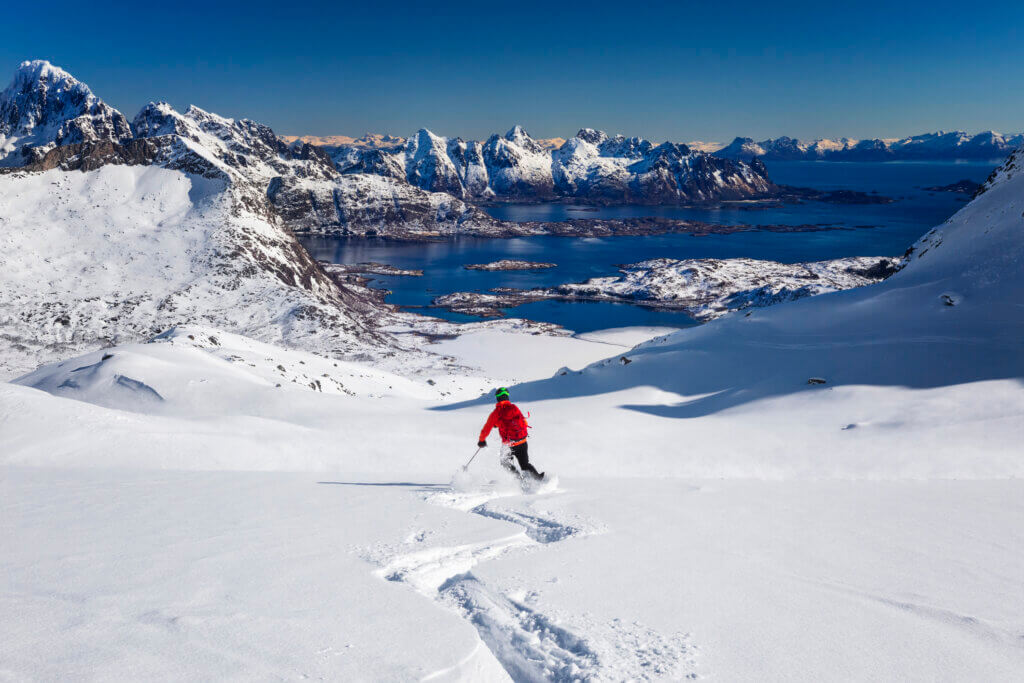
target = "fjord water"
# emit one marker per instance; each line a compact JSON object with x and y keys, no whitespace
{"x":864,"y":230}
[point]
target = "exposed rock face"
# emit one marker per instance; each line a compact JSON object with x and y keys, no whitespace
{"x":928,"y":146}
{"x":590,"y":166}
{"x":45,"y":107}
{"x":517,"y":166}
{"x":370,"y":268}
{"x":374,"y":206}
{"x":427,"y":165}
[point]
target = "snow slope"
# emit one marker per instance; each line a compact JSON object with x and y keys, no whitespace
{"x":120,"y":569}
{"x":124,"y":252}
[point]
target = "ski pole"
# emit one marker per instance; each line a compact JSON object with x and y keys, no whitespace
{"x":470,"y":460}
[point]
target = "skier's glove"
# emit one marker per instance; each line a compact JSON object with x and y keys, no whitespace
{"x":481,"y":444}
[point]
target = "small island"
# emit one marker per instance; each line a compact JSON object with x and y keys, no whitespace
{"x":510,"y":264}
{"x":964,"y":186}
{"x":372,"y":268}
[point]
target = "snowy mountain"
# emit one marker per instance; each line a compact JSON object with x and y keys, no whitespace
{"x":590,"y":166}
{"x":929,"y":146}
{"x":54,"y":121}
{"x":110,"y":240}
{"x":45,"y":107}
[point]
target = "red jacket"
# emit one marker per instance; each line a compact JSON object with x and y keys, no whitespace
{"x":510,"y":423}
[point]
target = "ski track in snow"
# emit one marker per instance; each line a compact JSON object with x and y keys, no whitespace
{"x":529,"y":644}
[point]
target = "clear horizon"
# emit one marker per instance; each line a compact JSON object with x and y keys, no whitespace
{"x":682,"y":73}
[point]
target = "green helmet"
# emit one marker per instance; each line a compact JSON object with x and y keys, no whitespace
{"x":501,"y":394}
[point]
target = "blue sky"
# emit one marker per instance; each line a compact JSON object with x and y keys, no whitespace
{"x":681,"y":71}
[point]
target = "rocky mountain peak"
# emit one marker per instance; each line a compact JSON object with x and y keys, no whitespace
{"x":425,"y":138}
{"x":428,"y":165}
{"x":594,"y":137}
{"x":516,"y":133}
{"x":621,"y":146}
{"x":45,"y":106}
{"x":158,"y":118}
{"x":518,"y":136}
{"x":39,"y":73}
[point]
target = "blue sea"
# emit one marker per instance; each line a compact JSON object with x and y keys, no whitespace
{"x":865,"y":230}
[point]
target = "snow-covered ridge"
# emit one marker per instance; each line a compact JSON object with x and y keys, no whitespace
{"x":940,"y":145}
{"x":590,"y":166}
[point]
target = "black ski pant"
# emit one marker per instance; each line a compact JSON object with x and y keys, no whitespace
{"x":521,"y":456}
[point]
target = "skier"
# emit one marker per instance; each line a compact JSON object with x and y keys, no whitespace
{"x":512,"y":428}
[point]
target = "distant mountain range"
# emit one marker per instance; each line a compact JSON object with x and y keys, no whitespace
{"x":367,"y":141}
{"x":373,"y":184}
{"x":590,"y":166}
{"x":423,"y":184}
{"x":926,"y":147}
{"x":938,"y":146}
{"x":385,"y":141}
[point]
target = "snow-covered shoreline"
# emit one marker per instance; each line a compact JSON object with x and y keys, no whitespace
{"x":704,"y":288}
{"x":510,"y":264}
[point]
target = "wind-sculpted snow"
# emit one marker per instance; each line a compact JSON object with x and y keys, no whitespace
{"x":928,"y":146}
{"x":590,"y":166}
